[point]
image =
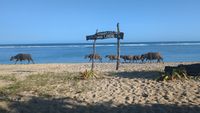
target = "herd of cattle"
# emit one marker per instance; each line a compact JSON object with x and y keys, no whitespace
{"x":147,"y":57}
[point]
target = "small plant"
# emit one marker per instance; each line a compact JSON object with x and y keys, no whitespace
{"x":179,"y":73}
{"x":88,"y":74}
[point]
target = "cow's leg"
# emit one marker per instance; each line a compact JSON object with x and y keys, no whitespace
{"x":147,"y":60}
{"x":162,"y":61}
{"x":16,"y":61}
{"x":33,"y":61}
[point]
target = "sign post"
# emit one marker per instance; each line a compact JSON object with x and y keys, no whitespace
{"x":118,"y":47}
{"x":94,"y":52}
{"x":106,"y":35}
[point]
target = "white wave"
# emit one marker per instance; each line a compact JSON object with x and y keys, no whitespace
{"x":40,"y":46}
{"x":135,"y":44}
{"x":107,"y":45}
{"x":98,"y":45}
{"x":7,"y":47}
{"x":112,"y":45}
{"x":177,"y":44}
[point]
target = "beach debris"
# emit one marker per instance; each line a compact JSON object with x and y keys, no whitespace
{"x":190,"y":70}
{"x":88,"y":74}
{"x":180,"y":72}
{"x":144,"y":94}
{"x":177,"y":73}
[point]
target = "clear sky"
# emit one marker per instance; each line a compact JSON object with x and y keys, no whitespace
{"x":66,"y":21}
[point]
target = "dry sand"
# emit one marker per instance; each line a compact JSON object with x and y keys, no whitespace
{"x":130,"y":89}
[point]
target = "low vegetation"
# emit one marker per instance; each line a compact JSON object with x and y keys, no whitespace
{"x":45,"y":84}
{"x":88,"y":74}
{"x":10,"y":78}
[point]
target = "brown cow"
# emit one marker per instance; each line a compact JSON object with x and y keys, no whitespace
{"x":126,"y":57}
{"x":136,"y":58}
{"x":93,"y":56}
{"x":111,"y":57}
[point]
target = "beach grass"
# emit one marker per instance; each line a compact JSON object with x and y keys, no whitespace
{"x":11,"y":78}
{"x":44,"y":84}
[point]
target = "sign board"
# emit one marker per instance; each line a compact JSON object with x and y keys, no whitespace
{"x":105,"y":35}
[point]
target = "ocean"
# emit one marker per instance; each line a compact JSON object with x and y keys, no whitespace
{"x":75,"y":52}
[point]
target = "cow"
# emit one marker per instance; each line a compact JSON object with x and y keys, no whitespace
{"x":126,"y":57}
{"x":136,"y":58}
{"x":93,"y":56}
{"x":152,"y":56}
{"x":111,"y":57}
{"x":20,"y":57}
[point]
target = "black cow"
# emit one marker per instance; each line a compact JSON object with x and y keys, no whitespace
{"x":152,"y":56}
{"x":20,"y":57}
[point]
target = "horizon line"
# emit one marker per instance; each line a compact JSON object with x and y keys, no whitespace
{"x":103,"y":42}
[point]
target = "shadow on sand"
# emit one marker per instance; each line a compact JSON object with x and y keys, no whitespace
{"x":151,"y":75}
{"x":69,"y":105}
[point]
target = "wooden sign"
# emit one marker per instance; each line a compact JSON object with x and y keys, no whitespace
{"x":105,"y":35}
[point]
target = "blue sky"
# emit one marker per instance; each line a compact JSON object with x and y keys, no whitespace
{"x":66,"y":21}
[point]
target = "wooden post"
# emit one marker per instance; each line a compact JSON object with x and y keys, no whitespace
{"x":94,"y":52}
{"x":93,"y":55}
{"x":118,"y":47}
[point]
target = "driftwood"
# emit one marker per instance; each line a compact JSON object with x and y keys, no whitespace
{"x":191,"y":70}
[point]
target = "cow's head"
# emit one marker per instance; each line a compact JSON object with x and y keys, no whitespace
{"x":12,"y":58}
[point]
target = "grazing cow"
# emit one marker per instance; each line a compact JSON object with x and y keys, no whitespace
{"x":20,"y":57}
{"x":111,"y":57}
{"x":93,"y":56}
{"x":152,"y":56}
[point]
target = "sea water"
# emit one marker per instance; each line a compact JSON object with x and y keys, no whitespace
{"x":75,"y":52}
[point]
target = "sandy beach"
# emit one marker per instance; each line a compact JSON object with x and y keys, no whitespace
{"x":54,"y":88}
